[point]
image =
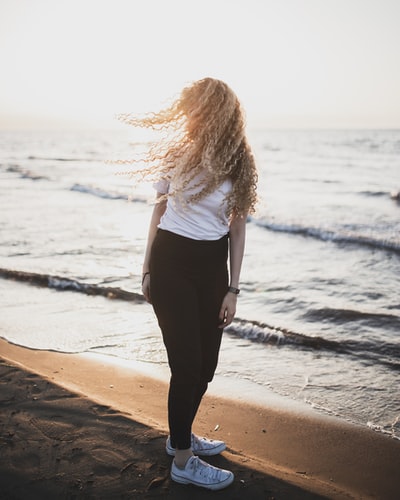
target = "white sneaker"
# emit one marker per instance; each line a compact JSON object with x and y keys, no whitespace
{"x":200,"y":446}
{"x":202,"y":474}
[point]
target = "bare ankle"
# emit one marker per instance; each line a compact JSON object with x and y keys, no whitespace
{"x":181,"y":457}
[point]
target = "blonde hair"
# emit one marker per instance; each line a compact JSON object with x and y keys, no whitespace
{"x":205,"y":133}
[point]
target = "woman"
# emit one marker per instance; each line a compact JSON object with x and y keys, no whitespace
{"x":206,"y":186}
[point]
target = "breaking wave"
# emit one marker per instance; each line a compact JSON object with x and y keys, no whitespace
{"x":337,"y":236}
{"x":63,"y":283}
{"x":108,"y":195}
{"x":384,"y":352}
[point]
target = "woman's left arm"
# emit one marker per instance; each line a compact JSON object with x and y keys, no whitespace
{"x":237,"y":237}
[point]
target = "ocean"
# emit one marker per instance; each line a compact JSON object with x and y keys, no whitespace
{"x":318,"y":319}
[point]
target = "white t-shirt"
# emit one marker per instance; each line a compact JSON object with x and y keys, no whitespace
{"x":203,"y":220}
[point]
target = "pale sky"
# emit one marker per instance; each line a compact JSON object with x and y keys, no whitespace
{"x":292,"y":63}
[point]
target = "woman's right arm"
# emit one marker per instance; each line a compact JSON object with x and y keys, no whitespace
{"x":158,"y":211}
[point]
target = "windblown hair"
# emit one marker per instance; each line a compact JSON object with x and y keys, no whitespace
{"x":205,"y":134}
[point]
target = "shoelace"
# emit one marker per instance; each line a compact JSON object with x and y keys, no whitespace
{"x":205,"y":470}
{"x":196,"y":443}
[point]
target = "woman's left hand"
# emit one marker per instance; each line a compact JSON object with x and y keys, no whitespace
{"x":146,"y":287}
{"x":228,"y":310}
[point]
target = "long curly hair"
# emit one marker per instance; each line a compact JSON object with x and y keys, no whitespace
{"x":204,"y":134}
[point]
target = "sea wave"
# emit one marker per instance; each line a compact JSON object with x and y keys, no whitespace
{"x":393,"y":195}
{"x":51,"y":158}
{"x":340,"y":316}
{"x":63,"y":283}
{"x":376,"y":193}
{"x":24,"y":173}
{"x":85,"y":189}
{"x":102,"y":193}
{"x":337,"y":236}
{"x":384,"y":352}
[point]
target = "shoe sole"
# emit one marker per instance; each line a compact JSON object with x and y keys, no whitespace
{"x":217,"y":486}
{"x":202,"y":453}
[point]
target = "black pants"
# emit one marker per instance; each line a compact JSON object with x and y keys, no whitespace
{"x":189,"y":279}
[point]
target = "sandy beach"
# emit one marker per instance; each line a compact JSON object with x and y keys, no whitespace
{"x":75,"y":427}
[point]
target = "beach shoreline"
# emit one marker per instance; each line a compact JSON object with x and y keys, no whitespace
{"x":275,"y":451}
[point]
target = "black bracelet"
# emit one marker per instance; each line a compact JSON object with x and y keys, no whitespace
{"x":234,"y":290}
{"x":143,"y":276}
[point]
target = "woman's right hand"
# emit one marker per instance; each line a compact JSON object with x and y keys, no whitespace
{"x":146,"y":288}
